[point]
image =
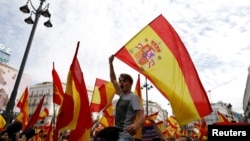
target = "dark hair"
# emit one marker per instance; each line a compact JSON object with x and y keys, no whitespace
{"x":156,"y":139}
{"x":29,"y":133}
{"x":187,"y":138}
{"x":127,"y":77}
{"x":3,"y":132}
{"x":110,"y":133}
{"x":13,"y":128}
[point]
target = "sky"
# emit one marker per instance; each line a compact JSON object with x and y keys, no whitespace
{"x":215,"y":33}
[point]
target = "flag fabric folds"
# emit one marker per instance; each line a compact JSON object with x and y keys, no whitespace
{"x":75,"y":114}
{"x":158,"y":53}
{"x":49,"y":136}
{"x":103,"y":94}
{"x":138,"y":134}
{"x":57,"y":87}
{"x":23,"y":105}
{"x":203,"y":129}
{"x":35,"y":115}
{"x":173,"y":128}
{"x":2,"y":123}
{"x":138,"y":89}
{"x":107,"y":119}
{"x":43,"y":114}
{"x":222,"y":118}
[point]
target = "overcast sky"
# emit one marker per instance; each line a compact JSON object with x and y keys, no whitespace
{"x":215,"y":32}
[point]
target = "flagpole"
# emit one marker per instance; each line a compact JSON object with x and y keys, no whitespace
{"x":38,"y":12}
{"x":147,"y":86}
{"x":54,"y":114}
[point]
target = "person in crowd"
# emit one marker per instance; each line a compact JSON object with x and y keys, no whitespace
{"x":159,"y":133}
{"x":4,"y":136}
{"x":128,"y":105}
{"x":108,"y":134}
{"x":184,"y":138}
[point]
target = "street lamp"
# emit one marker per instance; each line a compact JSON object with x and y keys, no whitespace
{"x":38,"y":12}
{"x":147,"y":86}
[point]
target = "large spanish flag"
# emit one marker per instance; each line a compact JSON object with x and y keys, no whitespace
{"x":75,"y":114}
{"x":23,"y":105}
{"x":158,"y":53}
{"x":57,"y":87}
{"x":103,"y":94}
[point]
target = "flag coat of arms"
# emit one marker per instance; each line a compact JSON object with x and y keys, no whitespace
{"x":158,"y":53}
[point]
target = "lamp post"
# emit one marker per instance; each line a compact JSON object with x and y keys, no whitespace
{"x":38,"y":12}
{"x":147,"y":87}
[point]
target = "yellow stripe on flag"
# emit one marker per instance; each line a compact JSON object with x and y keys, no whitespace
{"x":158,"y":53}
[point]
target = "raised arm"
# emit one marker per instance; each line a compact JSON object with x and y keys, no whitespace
{"x":112,"y":74}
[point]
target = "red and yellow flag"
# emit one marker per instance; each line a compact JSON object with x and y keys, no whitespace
{"x":222,"y":118}
{"x":203,"y":130}
{"x":49,"y":136}
{"x":152,"y":116}
{"x":57,"y":87}
{"x":138,"y":134}
{"x":2,"y":123}
{"x":158,"y":53}
{"x":35,"y":115}
{"x":173,"y":127}
{"x":161,"y":126}
{"x":173,"y":122}
{"x":75,"y":114}
{"x":138,"y":89}
{"x":103,"y":94}
{"x":23,"y":105}
{"x":107,"y":118}
{"x":43,"y":114}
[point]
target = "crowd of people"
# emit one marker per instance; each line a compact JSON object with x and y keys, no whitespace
{"x":128,"y":108}
{"x":14,"y":132}
{"x":129,"y":117}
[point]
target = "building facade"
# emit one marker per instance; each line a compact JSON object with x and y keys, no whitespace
{"x":226,"y":109}
{"x":246,"y":99}
{"x":7,"y":81}
{"x":37,"y":91}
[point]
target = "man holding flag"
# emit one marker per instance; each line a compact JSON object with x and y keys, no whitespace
{"x":127,"y":107}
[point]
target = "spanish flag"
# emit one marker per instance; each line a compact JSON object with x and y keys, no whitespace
{"x":138,"y":89}
{"x":158,"y":53}
{"x":57,"y":87}
{"x":2,"y":123}
{"x":23,"y":105}
{"x":43,"y":114}
{"x":138,"y":134}
{"x":103,"y":94}
{"x":32,"y":121}
{"x":203,"y":130}
{"x":107,"y":118}
{"x":222,"y":118}
{"x":152,"y":116}
{"x":75,"y":114}
{"x":49,"y":136}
